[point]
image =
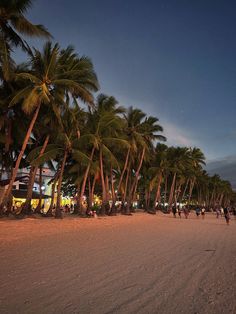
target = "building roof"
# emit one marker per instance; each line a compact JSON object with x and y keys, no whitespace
{"x":7,"y":181}
{"x":23,"y":193}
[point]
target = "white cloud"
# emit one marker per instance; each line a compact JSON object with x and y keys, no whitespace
{"x":176,"y":135}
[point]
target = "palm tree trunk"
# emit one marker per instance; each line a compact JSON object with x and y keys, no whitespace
{"x":191,"y":186}
{"x":38,"y":208}
{"x":172,"y":191}
{"x":178,"y":191}
{"x":126,"y":184}
{"x":8,"y":191}
{"x":49,"y":212}
{"x":185,"y":189}
{"x":26,"y":208}
{"x":85,"y":180}
{"x":138,"y":170}
{"x":89,"y":194}
{"x":77,"y":205}
{"x":58,"y":213}
{"x":113,"y":194}
{"x":212,"y":197}
{"x":123,"y":172}
{"x":221,"y":198}
{"x":107,"y":187}
{"x":135,"y":181}
{"x":166,"y":184}
{"x":8,"y":135}
{"x":103,"y":183}
{"x":92,"y":190}
{"x":148,"y":198}
{"x":158,"y":192}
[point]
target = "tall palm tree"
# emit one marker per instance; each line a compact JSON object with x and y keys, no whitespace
{"x":54,"y":75}
{"x":14,"y":24}
{"x":158,"y":168}
{"x":142,"y":131}
{"x":107,"y":125}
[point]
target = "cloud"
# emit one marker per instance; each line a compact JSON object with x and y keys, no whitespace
{"x":225,"y":167}
{"x":176,"y":135}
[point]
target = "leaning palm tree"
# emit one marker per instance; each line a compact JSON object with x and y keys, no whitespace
{"x":143,"y":131}
{"x":157,"y":170}
{"x":14,"y":24}
{"x":54,"y":76}
{"x":106,"y":127}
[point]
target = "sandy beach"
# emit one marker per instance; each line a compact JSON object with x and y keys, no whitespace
{"x":125,"y":264}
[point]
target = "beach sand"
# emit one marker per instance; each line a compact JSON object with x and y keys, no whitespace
{"x":125,"y":264}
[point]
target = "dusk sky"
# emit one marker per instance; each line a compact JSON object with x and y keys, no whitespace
{"x":174,"y":59}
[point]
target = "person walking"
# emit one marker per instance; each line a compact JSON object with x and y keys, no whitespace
{"x":174,"y":211}
{"x":203,"y":212}
{"x":197,"y":211}
{"x":186,"y":212}
{"x":226,"y":214}
{"x":179,"y":211}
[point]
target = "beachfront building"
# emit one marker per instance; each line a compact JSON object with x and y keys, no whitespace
{"x":21,"y":184}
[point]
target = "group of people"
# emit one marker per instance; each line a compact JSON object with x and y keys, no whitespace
{"x":220,"y":211}
{"x":200,"y":211}
{"x":177,"y":210}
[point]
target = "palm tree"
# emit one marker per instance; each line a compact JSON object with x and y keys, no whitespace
{"x":142,"y":131}
{"x":13,"y":24}
{"x":158,"y":169}
{"x":53,"y":76}
{"x":178,"y":160}
{"x":107,"y":126}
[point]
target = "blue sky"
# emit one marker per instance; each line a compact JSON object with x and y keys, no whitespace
{"x":173,"y":59}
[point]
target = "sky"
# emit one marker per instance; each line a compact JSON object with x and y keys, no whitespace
{"x":173,"y":59}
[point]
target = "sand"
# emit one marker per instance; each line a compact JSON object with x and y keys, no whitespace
{"x":125,"y":264}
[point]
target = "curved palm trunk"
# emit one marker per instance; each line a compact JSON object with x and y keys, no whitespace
{"x":39,"y":206}
{"x":84,"y":183}
{"x":178,"y":191}
{"x":158,"y":192}
{"x":77,"y":206}
{"x":122,"y":173}
{"x":221,"y":199}
{"x":185,"y":189}
{"x":91,"y":192}
{"x":27,"y":207}
{"x":148,"y":197}
{"x":113,"y":194}
{"x":125,"y":190}
{"x":49,"y":212}
{"x":107,"y":187}
{"x":103,"y":209}
{"x":107,"y":204}
{"x":135,"y":190}
{"x":8,"y":191}
{"x":8,"y":135}
{"x":165,"y":192}
{"x":191,"y":186}
{"x":58,"y":213}
{"x":172,"y":191}
{"x":135,"y":182}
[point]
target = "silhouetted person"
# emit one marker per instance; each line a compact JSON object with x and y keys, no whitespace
{"x":179,"y":212}
{"x":203,"y":212}
{"x":197,"y":211}
{"x":226,"y":214}
{"x":186,"y":212}
{"x":174,"y":211}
